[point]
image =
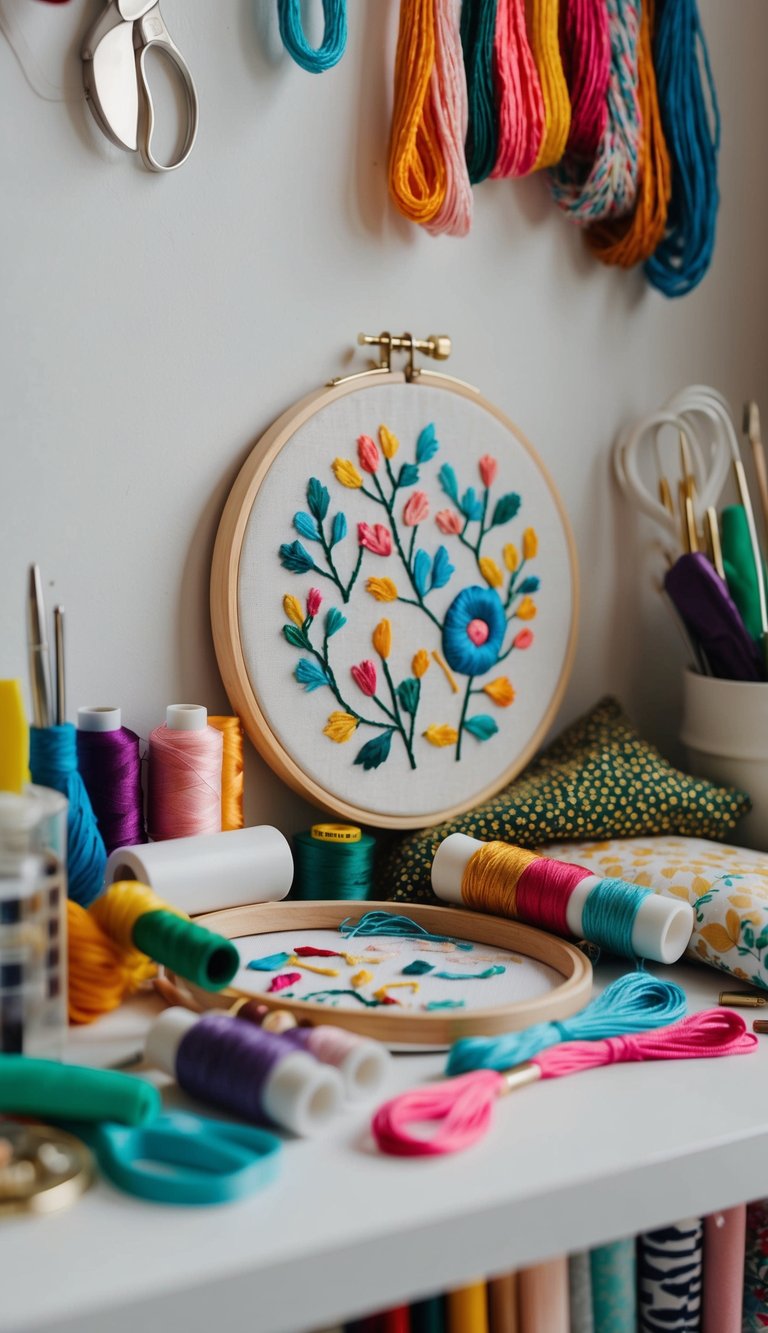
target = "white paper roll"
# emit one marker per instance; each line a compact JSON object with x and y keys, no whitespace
{"x":215,"y":870}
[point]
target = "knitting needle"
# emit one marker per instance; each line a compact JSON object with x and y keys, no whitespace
{"x":713,"y":540}
{"x":37,"y":645}
{"x":752,"y":431}
{"x":58,"y":644}
{"x":687,"y":496}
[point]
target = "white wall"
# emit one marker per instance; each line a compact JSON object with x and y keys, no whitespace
{"x":152,"y":327}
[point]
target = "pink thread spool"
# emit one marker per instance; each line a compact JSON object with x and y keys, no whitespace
{"x":184,"y":787}
{"x":362,"y":1063}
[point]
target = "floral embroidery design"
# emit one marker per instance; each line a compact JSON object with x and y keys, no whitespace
{"x":478,"y":630}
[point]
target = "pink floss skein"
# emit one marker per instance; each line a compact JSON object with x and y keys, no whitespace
{"x":448,"y":91}
{"x":518,"y":91}
{"x":184,"y":789}
{"x":585,"y":46}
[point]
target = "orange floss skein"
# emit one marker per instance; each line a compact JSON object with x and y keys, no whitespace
{"x":232,"y":775}
{"x":632,"y":240}
{"x":101,"y":973}
{"x":543,"y":26}
{"x":417,"y":174}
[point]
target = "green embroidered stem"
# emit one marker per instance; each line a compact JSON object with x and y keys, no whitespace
{"x":464,"y":707}
{"x":334,"y":574}
{"x":335,"y":691}
{"x":384,"y":709}
{"x":397,"y":716}
{"x":512,"y":581}
{"x":506,"y":654}
{"x":355,"y":573}
{"x":415,"y":711}
{"x":412,"y":544}
{"x":475,"y":548}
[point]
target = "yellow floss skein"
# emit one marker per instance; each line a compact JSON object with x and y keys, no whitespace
{"x":542,"y":16}
{"x":118,"y":910}
{"x":491,"y":877}
{"x":101,"y":973}
{"x":417,"y":174}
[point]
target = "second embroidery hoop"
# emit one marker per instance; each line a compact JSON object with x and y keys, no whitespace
{"x":424,"y":670}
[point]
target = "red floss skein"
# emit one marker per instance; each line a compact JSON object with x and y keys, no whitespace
{"x":585,"y":48}
{"x":543,"y":892}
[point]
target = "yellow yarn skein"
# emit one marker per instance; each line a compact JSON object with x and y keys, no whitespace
{"x":542,"y":18}
{"x":119,"y":908}
{"x":101,"y":973}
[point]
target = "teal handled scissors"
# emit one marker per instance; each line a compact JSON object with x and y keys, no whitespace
{"x":180,"y":1158}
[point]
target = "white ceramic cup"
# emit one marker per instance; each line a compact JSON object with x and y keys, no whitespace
{"x":725,"y":733}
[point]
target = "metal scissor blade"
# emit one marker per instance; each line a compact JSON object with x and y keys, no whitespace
{"x":111,"y":85}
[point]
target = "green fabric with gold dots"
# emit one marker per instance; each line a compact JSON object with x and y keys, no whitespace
{"x":599,"y":779}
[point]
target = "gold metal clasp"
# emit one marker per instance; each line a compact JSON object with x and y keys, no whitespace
{"x":520,"y":1076}
{"x":437,"y":346}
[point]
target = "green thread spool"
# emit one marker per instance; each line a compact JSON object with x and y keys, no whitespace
{"x":70,"y":1092}
{"x":333,"y":869}
{"x":197,"y":954}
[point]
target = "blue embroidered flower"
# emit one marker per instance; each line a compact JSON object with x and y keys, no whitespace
{"x":473,"y":631}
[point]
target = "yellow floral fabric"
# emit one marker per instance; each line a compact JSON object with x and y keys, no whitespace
{"x":726,"y":886}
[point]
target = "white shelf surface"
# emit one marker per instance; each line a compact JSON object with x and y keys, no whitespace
{"x":344,"y":1230}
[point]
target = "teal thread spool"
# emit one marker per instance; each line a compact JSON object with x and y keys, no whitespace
{"x":197,"y":954}
{"x":333,"y":861}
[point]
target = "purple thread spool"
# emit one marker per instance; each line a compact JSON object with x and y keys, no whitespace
{"x":240,"y":1067}
{"x":362,"y":1063}
{"x":110,"y":765}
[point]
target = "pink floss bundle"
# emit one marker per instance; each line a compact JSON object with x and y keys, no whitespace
{"x":518,"y":93}
{"x":585,"y":46}
{"x":448,"y":90}
{"x":184,"y":785}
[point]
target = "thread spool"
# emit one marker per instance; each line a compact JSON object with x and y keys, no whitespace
{"x":110,"y":765}
{"x":245,"y":1070}
{"x":135,"y":918}
{"x":334,"y":864}
{"x":185,"y":763}
{"x":203,"y":874}
{"x":53,"y":763}
{"x":509,"y":881}
{"x":232,"y":772}
{"x":362,"y":1063}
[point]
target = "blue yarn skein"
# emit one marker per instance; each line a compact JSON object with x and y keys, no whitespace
{"x":53,"y":763}
{"x":692,"y":132}
{"x":316,"y":60}
{"x":635,"y":1002}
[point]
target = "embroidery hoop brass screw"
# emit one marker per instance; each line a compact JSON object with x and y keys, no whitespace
{"x":437,"y":346}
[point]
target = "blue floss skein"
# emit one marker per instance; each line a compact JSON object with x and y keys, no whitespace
{"x":635,"y":1002}
{"x":692,"y":133}
{"x":608,"y":915}
{"x":316,"y":60}
{"x":53,"y":763}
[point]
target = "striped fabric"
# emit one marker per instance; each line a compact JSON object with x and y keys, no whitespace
{"x":669,"y":1278}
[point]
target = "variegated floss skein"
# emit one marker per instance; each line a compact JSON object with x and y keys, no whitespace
{"x":519,"y":98}
{"x":607,"y":187}
{"x":184,"y":789}
{"x":545,"y":44}
{"x":417,"y":175}
{"x":631,"y":240}
{"x":585,"y":46}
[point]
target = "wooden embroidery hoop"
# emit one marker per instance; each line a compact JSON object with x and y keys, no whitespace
{"x":422,"y":1029}
{"x":225,"y":617}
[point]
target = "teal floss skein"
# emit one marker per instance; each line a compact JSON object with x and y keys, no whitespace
{"x":609,"y":912}
{"x":53,"y":763}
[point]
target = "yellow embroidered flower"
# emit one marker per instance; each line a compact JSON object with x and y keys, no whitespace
{"x":389,"y":442}
{"x":420,"y":663}
{"x":292,"y":608}
{"x":346,"y":472}
{"x":527,"y":609}
{"x":441,"y":735}
{"x":384,"y":590}
{"x":501,"y":690}
{"x":530,"y":544}
{"x":491,"y":572}
{"x":382,"y":638}
{"x":340,"y":727}
{"x":511,"y":557}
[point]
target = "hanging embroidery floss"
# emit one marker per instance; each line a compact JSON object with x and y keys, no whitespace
{"x":448,"y":91}
{"x":363,"y":1064}
{"x":334,"y":861}
{"x":232,"y":773}
{"x":478,"y":26}
{"x":314,"y":59}
{"x":545,"y":44}
{"x":518,"y":92}
{"x":417,"y":173}
{"x":243,"y":1069}
{"x":110,"y":765}
{"x":185,"y":759}
{"x":463,"y":1107}
{"x":566,"y":899}
{"x":585,"y":46}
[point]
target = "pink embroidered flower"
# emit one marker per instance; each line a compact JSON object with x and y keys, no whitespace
{"x":364,"y":676}
{"x":376,"y":539}
{"x":448,"y":522}
{"x":416,"y":510}
{"x":524,"y":639}
{"x":367,"y":453}
{"x":478,"y":632}
{"x":488,"y":467}
{"x":314,"y":598}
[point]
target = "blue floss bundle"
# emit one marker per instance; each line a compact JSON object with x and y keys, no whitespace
{"x":53,"y":763}
{"x":314,"y":59}
{"x":636,"y":1002}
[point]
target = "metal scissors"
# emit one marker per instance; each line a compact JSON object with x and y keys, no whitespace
{"x":114,"y":57}
{"x":180,"y":1158}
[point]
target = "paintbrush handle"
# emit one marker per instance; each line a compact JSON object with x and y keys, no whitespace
{"x":761,"y":471}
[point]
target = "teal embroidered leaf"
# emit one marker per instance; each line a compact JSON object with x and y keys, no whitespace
{"x":339,"y":529}
{"x":296,"y":637}
{"x":442,"y":569}
{"x":334,"y":621}
{"x":310,"y":674}
{"x":408,"y":693}
{"x":422,"y":567}
{"x":408,"y":476}
{"x":295,"y":558}
{"x":748,"y":933}
{"x":318,"y":498}
{"x":506,"y":508}
{"x":426,"y":445}
{"x":481,"y":726}
{"x":762,"y":940}
{"x":531,"y":584}
{"x":447,"y":478}
{"x":375,"y":751}
{"x":471,"y":505}
{"x":306,"y":526}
